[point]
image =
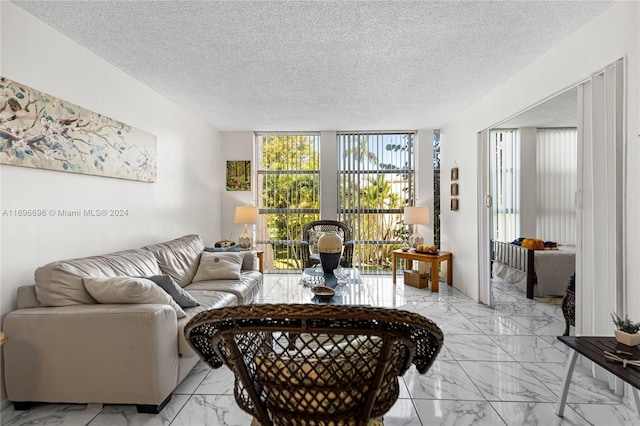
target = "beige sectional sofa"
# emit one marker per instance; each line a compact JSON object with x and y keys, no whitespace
{"x":68,"y":347}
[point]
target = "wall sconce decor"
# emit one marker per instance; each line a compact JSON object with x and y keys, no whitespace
{"x":454,"y":187}
{"x":454,"y":173}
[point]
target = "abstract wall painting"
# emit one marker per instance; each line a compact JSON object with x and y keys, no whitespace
{"x":239,"y":175}
{"x":41,"y":131}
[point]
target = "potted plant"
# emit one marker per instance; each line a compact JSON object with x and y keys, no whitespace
{"x":627,"y":331}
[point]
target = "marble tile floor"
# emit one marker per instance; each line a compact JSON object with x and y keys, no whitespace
{"x":500,"y":365}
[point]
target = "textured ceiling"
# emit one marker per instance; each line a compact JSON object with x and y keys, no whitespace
{"x":316,"y":65}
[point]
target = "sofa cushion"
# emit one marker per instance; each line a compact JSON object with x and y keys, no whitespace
{"x":219,"y":266}
{"x":245,"y":290}
{"x":129,"y":290}
{"x":179,"y":258}
{"x":208,"y":300}
{"x":181,"y":297}
{"x":60,"y":283}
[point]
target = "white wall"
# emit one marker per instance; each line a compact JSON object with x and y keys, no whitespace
{"x":610,"y":36}
{"x":424,"y":183}
{"x":185,"y":198}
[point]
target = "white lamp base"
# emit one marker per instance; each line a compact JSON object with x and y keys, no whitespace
{"x":245,"y":239}
{"x":415,"y":240}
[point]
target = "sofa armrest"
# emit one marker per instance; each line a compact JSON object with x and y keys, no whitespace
{"x":59,"y":354}
{"x":27,"y":297}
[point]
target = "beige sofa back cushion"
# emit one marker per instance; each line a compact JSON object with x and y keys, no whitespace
{"x":129,"y":290}
{"x":60,"y":283}
{"x":179,"y":258}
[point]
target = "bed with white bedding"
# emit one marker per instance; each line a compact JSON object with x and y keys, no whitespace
{"x":539,"y":273}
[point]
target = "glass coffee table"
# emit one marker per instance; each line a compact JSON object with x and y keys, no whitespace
{"x":353,"y":292}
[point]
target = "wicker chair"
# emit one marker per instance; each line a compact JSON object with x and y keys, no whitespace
{"x":312,"y":231}
{"x":315,"y":365}
{"x":569,"y":305}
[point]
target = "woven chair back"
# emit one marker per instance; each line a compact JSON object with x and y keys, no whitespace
{"x":307,"y":364}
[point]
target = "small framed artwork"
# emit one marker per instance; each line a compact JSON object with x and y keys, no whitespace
{"x":454,"y":189}
{"x":454,"y":204}
{"x":239,"y":175}
{"x":454,"y":173}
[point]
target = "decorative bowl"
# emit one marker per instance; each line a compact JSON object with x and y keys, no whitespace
{"x":435,"y":253}
{"x":323,"y":292}
{"x":313,"y":278}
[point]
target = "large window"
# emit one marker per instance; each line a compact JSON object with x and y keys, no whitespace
{"x":374,"y":176}
{"x":504,"y":145}
{"x":288,"y":193}
{"x":557,"y":176}
{"x":375,"y":182}
{"x":533,"y":184}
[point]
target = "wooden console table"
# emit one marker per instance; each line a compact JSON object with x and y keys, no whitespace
{"x":592,"y":348}
{"x":433,"y":259}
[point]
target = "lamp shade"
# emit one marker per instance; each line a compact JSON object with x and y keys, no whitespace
{"x":416,"y":215}
{"x":246,"y":215}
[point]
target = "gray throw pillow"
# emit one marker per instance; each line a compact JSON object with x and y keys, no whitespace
{"x":180,"y":295}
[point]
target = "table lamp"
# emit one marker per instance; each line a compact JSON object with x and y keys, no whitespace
{"x":247,"y":215}
{"x":416,"y":216}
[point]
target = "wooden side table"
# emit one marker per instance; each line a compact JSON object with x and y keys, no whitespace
{"x":3,"y":338}
{"x":433,"y":259}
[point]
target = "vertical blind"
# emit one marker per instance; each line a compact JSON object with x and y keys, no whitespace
{"x":556,"y":168}
{"x":504,"y":150}
{"x":287,"y":193}
{"x":375,"y":182}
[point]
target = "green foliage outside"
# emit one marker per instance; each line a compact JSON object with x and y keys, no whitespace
{"x":290,"y":180}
